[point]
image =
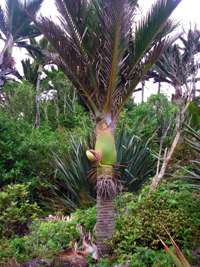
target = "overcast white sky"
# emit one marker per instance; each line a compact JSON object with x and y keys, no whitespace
{"x":188,"y":12}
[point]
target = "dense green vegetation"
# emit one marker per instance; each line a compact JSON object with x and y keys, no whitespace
{"x":34,"y":185}
{"x":141,"y":220}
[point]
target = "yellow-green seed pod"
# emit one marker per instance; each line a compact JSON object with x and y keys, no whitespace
{"x":93,"y":155}
{"x":90,"y":155}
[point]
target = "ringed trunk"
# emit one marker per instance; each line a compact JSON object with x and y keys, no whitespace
{"x":105,"y":152}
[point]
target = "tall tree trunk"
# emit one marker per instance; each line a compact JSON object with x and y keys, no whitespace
{"x":183,"y":105}
{"x":57,"y":109}
{"x":143,"y":84}
{"x":105,"y":154}
{"x":193,"y":87}
{"x":159,"y":87}
{"x":7,"y":48}
{"x":37,"y":98}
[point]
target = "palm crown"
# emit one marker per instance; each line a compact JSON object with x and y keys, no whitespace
{"x":177,"y":63}
{"x":104,"y":51}
{"x":14,"y":20}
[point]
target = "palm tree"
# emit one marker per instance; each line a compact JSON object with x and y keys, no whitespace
{"x":15,"y":25}
{"x":178,"y":68}
{"x":177,"y":65}
{"x":105,"y":53}
{"x":33,"y":71}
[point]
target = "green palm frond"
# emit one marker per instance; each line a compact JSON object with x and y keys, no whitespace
{"x":153,"y":24}
{"x":194,"y":142}
{"x":101,"y":53}
{"x":72,"y":184}
{"x":193,"y":173}
{"x":75,"y":177}
{"x":135,"y":161}
{"x":30,"y":71}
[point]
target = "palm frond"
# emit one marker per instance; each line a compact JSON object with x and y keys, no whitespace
{"x":135,"y":161}
{"x":18,"y":22}
{"x":30,"y":71}
{"x":176,"y":65}
{"x":99,"y":51}
{"x":193,"y":173}
{"x":149,"y":28}
{"x":123,"y":92}
{"x":3,"y":24}
{"x":72,"y":178}
{"x":194,"y":142}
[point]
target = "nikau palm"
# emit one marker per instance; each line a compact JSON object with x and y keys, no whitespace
{"x":15,"y":25}
{"x":105,"y":53}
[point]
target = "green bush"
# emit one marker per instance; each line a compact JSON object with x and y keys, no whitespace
{"x":141,"y":219}
{"x":25,"y":152}
{"x":149,"y":120}
{"x":6,"y":251}
{"x":26,"y":155}
{"x":194,"y":113}
{"x":46,"y":237}
{"x":20,"y":101}
{"x":143,"y":257}
{"x":139,"y":224}
{"x":16,"y":211}
{"x":45,"y":240}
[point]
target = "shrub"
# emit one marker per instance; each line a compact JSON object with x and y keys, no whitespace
{"x":46,"y":238}
{"x":149,"y":120}
{"x":142,"y":218}
{"x":6,"y":252}
{"x":194,"y":113}
{"x":139,"y":221}
{"x":16,"y":211}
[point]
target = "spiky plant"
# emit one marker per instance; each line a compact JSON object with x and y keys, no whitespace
{"x":74,"y":183}
{"x":106,"y":52}
{"x":193,"y":139}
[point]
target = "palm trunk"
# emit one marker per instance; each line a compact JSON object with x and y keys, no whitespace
{"x":159,"y":87}
{"x":106,"y":185}
{"x":105,"y":224}
{"x":143,"y":84}
{"x":7,"y":48}
{"x":37,"y":98}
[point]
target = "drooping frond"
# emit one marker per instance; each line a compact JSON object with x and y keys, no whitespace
{"x":101,"y":52}
{"x":149,"y":27}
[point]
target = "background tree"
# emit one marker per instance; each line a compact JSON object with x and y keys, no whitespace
{"x":177,"y":67}
{"x":105,"y":59}
{"x":15,"y":29}
{"x":33,"y":72}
